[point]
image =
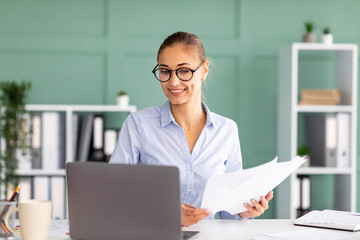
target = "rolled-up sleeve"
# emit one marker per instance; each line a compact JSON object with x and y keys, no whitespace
{"x":127,"y":149}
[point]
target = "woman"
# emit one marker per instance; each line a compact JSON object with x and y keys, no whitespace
{"x":183,"y":132}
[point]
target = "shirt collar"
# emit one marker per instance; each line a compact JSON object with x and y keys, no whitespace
{"x":167,"y":117}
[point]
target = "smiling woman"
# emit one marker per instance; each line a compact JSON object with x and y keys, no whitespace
{"x":183,"y":132}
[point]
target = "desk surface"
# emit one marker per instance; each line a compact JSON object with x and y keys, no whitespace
{"x":246,"y":229}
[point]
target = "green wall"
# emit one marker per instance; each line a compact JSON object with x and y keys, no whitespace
{"x":84,"y":51}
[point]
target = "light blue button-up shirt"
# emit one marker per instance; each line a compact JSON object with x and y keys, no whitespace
{"x":151,"y":136}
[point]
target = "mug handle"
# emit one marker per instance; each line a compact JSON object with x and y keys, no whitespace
{"x":6,"y":220}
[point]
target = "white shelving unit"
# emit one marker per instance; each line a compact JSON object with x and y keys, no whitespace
{"x":345,"y":79}
{"x":69,"y":110}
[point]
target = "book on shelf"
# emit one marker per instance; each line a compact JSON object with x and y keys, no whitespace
{"x":318,"y":102}
{"x":331,"y":219}
{"x":320,"y":97}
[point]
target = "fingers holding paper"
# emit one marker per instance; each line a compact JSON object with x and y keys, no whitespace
{"x":258,"y":208}
{"x":192,"y":215}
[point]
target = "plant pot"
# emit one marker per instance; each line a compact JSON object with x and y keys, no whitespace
{"x":123,"y":101}
{"x":309,"y":38}
{"x":328,"y":38}
{"x":307,"y":162}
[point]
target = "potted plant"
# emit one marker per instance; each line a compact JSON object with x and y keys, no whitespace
{"x":123,"y":99}
{"x":309,"y":36}
{"x":327,"y":37}
{"x":13,"y":129}
{"x":304,"y":152}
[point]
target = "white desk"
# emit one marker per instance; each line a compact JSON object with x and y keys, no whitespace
{"x":246,"y":229}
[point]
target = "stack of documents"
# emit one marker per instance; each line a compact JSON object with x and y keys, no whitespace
{"x":332,"y":219}
{"x":309,"y":234}
{"x":229,"y":191}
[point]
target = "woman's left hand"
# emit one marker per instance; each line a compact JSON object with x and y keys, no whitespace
{"x":259,"y":207}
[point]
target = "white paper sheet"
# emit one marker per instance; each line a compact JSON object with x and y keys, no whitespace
{"x":330,"y":219}
{"x":309,"y":234}
{"x":230,"y":191}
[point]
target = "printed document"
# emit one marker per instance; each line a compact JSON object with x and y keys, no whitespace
{"x":341,"y":220}
{"x":228,"y":192}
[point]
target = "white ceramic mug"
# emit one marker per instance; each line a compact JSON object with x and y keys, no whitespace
{"x":35,"y":218}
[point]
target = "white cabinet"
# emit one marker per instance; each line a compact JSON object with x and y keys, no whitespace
{"x":332,"y":66}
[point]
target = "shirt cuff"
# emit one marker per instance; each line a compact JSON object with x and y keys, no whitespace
{"x":227,"y":215}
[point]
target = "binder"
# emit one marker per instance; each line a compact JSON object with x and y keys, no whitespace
{"x":36,"y":141}
{"x":109,"y":143}
{"x":24,"y":155}
{"x":41,"y":188}
{"x":85,"y":137}
{"x":75,"y":122}
{"x":98,"y":145}
{"x":343,"y":141}
{"x":321,"y":138}
{"x":53,"y":140}
{"x":304,"y":196}
{"x":58,"y":197}
{"x":25,"y":189}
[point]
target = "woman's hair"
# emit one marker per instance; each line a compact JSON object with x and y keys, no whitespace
{"x":188,"y":40}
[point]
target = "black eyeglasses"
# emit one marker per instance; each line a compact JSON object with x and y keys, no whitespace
{"x":183,"y":73}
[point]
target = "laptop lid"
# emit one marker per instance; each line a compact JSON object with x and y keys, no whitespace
{"x":116,"y":201}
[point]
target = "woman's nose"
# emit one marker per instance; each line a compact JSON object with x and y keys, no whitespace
{"x":174,"y":80}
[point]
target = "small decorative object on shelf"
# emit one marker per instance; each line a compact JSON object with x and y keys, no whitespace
{"x":123,"y":99}
{"x":320,"y":97}
{"x":303,"y":151}
{"x":309,"y":36}
{"x":327,"y":37}
{"x":13,"y":129}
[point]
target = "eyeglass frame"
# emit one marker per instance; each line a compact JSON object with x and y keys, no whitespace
{"x":176,"y":72}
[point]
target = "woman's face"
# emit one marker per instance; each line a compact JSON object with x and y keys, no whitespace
{"x":177,"y":91}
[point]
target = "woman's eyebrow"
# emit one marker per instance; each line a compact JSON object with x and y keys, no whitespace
{"x":179,"y":65}
{"x":182,"y":64}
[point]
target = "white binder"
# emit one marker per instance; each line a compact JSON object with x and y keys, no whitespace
{"x":25,"y":188}
{"x":41,"y":188}
{"x":58,"y":197}
{"x":343,"y":140}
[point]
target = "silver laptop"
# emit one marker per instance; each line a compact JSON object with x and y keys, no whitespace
{"x":116,"y":201}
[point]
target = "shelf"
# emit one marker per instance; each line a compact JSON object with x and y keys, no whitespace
{"x":322,"y":47}
{"x":40,"y":172}
{"x":323,"y":170}
{"x":80,"y":108}
{"x":324,"y":108}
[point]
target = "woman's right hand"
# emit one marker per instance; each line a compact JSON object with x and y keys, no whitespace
{"x":192,"y":215}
